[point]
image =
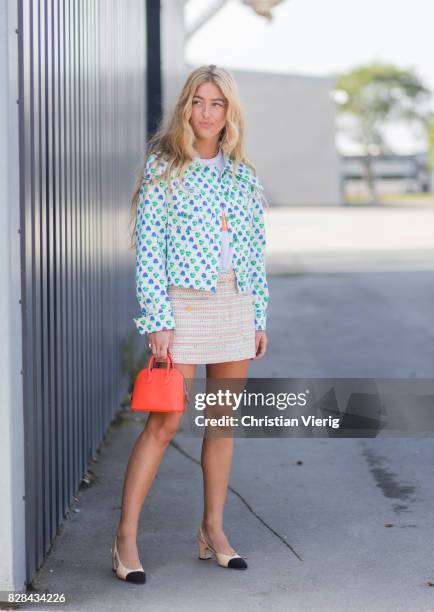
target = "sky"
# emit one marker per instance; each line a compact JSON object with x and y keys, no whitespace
{"x":320,"y":37}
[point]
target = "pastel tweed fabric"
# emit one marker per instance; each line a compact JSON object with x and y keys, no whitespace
{"x":178,"y":237}
{"x":212,"y":327}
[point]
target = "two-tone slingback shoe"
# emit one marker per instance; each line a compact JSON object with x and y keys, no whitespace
{"x":206,"y":551}
{"x":136,"y":575}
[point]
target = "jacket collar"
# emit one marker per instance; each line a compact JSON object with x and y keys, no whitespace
{"x":243,"y":171}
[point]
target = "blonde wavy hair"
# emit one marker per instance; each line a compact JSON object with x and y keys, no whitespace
{"x":173,"y":141}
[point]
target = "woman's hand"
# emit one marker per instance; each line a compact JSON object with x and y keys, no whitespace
{"x":159,"y":343}
{"x":261,"y":344}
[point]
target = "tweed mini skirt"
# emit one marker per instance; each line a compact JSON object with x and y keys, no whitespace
{"x":212,"y":327}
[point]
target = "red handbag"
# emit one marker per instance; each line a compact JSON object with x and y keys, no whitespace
{"x":159,"y":389}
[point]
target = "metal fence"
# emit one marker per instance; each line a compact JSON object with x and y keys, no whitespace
{"x":82,"y":133}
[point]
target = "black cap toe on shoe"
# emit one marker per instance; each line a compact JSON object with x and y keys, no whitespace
{"x":237,"y":563}
{"x":136,"y":577}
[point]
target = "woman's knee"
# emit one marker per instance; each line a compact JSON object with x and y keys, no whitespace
{"x":163,"y":426}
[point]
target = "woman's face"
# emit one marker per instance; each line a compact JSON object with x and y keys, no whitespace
{"x":208,"y":112}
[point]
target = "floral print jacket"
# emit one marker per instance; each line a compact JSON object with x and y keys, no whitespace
{"x":178,"y":237}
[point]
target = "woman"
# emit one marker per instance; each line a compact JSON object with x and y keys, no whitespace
{"x":201,"y":286}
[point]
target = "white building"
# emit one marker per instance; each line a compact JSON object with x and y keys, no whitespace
{"x":290,"y":121}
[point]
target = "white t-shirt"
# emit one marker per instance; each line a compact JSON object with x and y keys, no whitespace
{"x":227,"y":253}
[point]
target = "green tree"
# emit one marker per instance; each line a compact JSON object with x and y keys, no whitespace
{"x":373,"y":95}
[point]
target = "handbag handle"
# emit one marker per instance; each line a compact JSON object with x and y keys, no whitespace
{"x":169,"y":366}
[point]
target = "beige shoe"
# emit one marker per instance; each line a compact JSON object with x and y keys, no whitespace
{"x":206,"y":551}
{"x":137,"y":575}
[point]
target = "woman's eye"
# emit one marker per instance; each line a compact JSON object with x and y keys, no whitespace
{"x":218,"y":104}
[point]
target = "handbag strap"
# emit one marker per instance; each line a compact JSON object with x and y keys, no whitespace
{"x":169,"y":366}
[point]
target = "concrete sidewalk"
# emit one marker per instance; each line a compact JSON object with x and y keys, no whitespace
{"x":350,"y":238}
{"x":313,"y":532}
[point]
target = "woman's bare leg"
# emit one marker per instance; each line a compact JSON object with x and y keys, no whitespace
{"x":216,"y":460}
{"x":141,"y":470}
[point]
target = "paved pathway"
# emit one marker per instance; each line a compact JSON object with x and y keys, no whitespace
{"x":313,"y":532}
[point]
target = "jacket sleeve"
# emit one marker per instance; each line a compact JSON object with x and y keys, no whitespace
{"x":259,"y":279}
{"x":151,"y":252}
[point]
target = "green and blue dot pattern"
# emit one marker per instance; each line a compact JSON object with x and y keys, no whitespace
{"x":178,"y":237}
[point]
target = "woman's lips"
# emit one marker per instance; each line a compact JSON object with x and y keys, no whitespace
{"x":206,"y":125}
